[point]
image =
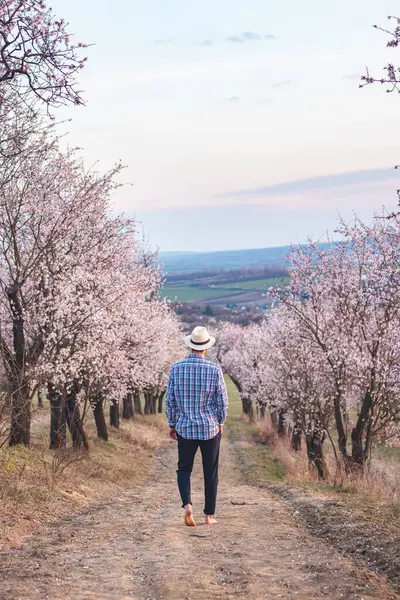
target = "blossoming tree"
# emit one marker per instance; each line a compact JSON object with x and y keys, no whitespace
{"x":38,"y":59}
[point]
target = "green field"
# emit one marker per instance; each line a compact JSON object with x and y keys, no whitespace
{"x":254,"y":284}
{"x":188,"y":293}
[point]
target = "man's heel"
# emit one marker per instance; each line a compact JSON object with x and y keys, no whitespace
{"x":189,"y":520}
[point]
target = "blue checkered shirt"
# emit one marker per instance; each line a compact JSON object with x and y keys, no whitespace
{"x":196,"y":402}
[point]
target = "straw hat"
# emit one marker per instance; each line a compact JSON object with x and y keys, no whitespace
{"x":199,"y":339}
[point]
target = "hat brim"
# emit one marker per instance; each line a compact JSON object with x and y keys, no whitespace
{"x":206,"y":346}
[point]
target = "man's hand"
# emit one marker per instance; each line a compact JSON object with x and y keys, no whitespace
{"x":172,"y":434}
{"x":221,"y":429}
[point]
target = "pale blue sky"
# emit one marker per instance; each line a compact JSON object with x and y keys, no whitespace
{"x":214,"y":105}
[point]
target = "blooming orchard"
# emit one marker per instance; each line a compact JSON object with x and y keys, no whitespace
{"x":332,"y":346}
{"x":79,"y":304}
{"x":80,"y":314}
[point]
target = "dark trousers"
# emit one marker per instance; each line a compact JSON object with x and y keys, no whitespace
{"x":210,"y":455}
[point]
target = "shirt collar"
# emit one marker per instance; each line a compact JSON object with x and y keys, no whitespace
{"x":195,"y":356}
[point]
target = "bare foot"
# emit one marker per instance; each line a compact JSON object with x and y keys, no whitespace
{"x":189,"y":520}
{"x":210,"y":520}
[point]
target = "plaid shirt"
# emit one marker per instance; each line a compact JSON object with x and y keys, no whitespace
{"x":196,"y":400}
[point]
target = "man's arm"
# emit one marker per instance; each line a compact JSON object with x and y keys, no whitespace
{"x":170,"y":405}
{"x":222,"y":398}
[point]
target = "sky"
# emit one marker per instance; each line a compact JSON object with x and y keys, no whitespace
{"x":241,"y":124}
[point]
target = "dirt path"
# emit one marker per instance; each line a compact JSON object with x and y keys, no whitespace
{"x":135,"y":546}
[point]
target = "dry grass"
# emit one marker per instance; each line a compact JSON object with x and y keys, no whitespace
{"x":267,"y":459}
{"x":377,"y":486}
{"x":295,"y":464}
{"x":38,"y":485}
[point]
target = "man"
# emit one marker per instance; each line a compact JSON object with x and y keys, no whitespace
{"x":196,"y":405}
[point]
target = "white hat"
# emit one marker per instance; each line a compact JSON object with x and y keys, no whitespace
{"x":199,"y":339}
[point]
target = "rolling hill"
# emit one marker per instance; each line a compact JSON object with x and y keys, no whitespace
{"x":224,"y":259}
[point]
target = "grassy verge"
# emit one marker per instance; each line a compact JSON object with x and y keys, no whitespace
{"x":37,"y":485}
{"x":265,"y":459}
{"x":256,"y":460}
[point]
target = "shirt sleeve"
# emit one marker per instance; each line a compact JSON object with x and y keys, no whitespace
{"x":222,"y":398}
{"x":170,"y":401}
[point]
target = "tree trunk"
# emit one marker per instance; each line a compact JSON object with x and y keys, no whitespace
{"x":20,"y":416}
{"x":296,"y":433}
{"x":74,"y":422}
{"x":342,"y":437}
{"x":160,"y":402}
{"x":248,"y":407}
{"x":247,"y":404}
{"x":99,"y":418}
{"x":359,"y":452}
{"x":20,"y":400}
{"x":114,"y":414}
{"x":127,"y":407}
{"x":40,"y":398}
{"x":274,"y":419}
{"x":130,"y":404}
{"x":316,"y":455}
{"x":295,"y":441}
{"x":281,"y":423}
{"x":57,"y":420}
{"x":262,"y":411}
{"x":147,"y":403}
{"x":137,"y":402}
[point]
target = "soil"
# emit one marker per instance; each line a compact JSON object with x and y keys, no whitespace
{"x":134,"y":545}
{"x":348,"y":528}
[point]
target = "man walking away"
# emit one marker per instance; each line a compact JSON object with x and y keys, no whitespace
{"x":196,"y":405}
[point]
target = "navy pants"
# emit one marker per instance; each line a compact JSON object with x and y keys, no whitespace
{"x":210,"y":455}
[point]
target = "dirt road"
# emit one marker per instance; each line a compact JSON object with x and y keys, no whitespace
{"x":134,"y":545}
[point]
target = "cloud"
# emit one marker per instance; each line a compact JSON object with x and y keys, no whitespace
{"x":282,"y":83}
{"x":234,"y":39}
{"x":163,"y":41}
{"x":207,"y":43}
{"x":249,"y":36}
{"x":233,"y":99}
{"x":316,"y":184}
{"x":359,"y":191}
